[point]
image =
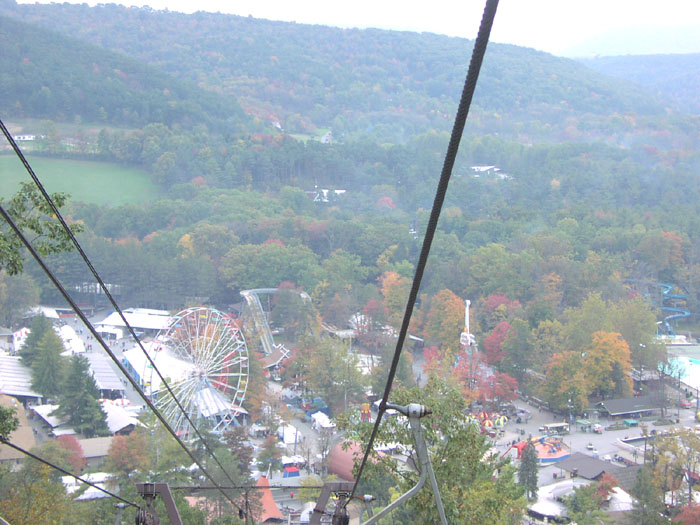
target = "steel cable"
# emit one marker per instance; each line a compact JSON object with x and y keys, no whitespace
{"x":458,"y":128}
{"x":34,"y":456}
{"x":121,"y":367}
{"x":107,"y":293}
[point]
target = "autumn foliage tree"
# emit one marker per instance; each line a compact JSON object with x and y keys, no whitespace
{"x":128,"y":454}
{"x":76,"y":458}
{"x":395,"y":289}
{"x":493,"y":343}
{"x":445,"y":320}
{"x":689,"y":515}
{"x":606,"y":364}
{"x":497,"y":308}
{"x":565,"y":380}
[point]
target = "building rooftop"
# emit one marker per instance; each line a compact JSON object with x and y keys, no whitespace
{"x":22,"y":437}
{"x":15,"y":378}
{"x":103,"y":373}
{"x":632,"y":405}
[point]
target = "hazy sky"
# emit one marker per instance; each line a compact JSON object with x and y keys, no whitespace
{"x":547,"y":25}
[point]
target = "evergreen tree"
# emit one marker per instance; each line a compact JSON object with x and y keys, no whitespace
{"x":79,"y":403}
{"x":527,"y":475}
{"x":649,"y":500}
{"x":47,"y":366}
{"x":40,"y":326}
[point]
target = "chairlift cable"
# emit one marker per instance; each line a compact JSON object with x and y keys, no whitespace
{"x":107,"y":293}
{"x":121,"y":367}
{"x":458,"y":128}
{"x":56,"y":467}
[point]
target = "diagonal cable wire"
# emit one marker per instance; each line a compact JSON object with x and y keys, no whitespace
{"x":460,"y":119}
{"x":121,"y":367}
{"x":107,"y":293}
{"x":45,"y":462}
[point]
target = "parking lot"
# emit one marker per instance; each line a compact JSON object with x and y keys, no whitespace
{"x":603,"y":445}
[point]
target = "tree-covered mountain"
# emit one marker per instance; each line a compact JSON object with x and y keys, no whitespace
{"x":385,"y":84}
{"x":44,"y":74}
{"x":676,"y":76}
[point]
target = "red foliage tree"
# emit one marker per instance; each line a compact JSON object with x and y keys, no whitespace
{"x":469,"y":373}
{"x":436,"y":360}
{"x":497,"y":388}
{"x":606,"y":484}
{"x":385,"y":202}
{"x":689,"y":515}
{"x":274,"y":241}
{"x":493,"y":343}
{"x":77,"y":456}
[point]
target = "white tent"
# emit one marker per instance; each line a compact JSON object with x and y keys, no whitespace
{"x":292,"y":460}
{"x":138,"y":318}
{"x":289,"y":435}
{"x":46,"y":311}
{"x":168,"y":364}
{"x":210,"y":402}
{"x":118,"y":418}
{"x":71,"y":342}
{"x":322,"y":421}
{"x":620,"y":501}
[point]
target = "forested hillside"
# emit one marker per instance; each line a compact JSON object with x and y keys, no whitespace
{"x":387,"y":85}
{"x":44,"y":74}
{"x":676,"y":76}
{"x":305,"y":158}
{"x":595,"y":185}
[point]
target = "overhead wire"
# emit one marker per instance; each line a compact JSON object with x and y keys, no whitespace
{"x":457,"y":130}
{"x":107,"y":293}
{"x":121,"y":367}
{"x":56,"y":467}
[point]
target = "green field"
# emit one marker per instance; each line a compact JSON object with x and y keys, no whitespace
{"x":86,"y":181}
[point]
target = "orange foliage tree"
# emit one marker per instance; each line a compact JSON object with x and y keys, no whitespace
{"x":445,"y":320}
{"x":128,"y":454}
{"x":395,"y":290}
{"x":606,"y":364}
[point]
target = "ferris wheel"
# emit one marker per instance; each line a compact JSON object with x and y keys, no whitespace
{"x":204,"y":358}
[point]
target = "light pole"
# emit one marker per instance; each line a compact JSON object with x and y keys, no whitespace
{"x":641,"y":368}
{"x":678,"y":408}
{"x":570,"y":406}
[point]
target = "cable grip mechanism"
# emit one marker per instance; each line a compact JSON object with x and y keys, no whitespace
{"x":414,"y":412}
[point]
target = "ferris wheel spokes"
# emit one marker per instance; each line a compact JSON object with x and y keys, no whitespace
{"x":209,"y":361}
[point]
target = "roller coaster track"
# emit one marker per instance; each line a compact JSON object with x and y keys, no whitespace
{"x":259,"y":318}
{"x":258,"y":314}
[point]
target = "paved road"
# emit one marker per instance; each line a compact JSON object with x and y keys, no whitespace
{"x":604,"y":444}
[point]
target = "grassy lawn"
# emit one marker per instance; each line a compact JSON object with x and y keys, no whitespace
{"x":86,"y":181}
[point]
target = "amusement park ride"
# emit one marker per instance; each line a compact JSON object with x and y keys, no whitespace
{"x":205,"y":359}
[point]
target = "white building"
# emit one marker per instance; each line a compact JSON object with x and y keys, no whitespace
{"x":144,"y":320}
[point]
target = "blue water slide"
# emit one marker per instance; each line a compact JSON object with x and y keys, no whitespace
{"x":675,"y":312}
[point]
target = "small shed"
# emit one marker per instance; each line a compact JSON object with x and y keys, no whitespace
{"x":95,"y":450}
